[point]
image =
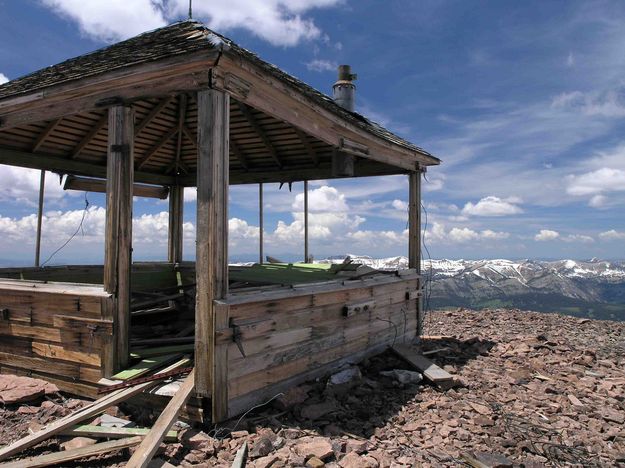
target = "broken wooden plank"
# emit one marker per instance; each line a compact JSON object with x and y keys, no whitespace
{"x":89,"y":430}
{"x":69,"y":455}
{"x":156,"y":301}
{"x":241,"y":457}
{"x":429,"y":370}
{"x":87,"y":412}
{"x":145,"y":366}
{"x":144,"y":453}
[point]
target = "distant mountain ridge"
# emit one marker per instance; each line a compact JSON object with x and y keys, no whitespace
{"x":594,"y":288}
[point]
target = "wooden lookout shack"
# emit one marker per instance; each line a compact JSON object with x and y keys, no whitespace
{"x":183,"y":106}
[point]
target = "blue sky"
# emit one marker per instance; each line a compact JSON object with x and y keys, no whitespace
{"x":523,"y":101}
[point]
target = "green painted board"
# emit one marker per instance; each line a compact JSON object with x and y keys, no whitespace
{"x":90,"y":430}
{"x":145,"y":366}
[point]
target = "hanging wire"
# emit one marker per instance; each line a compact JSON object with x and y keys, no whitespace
{"x":217,"y":432}
{"x":429,"y":277}
{"x":78,"y":229}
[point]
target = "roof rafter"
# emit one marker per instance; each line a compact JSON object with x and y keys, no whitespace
{"x":157,"y":146}
{"x":44,"y":135}
{"x":89,"y":136}
{"x":247,"y":113}
{"x":309,"y":149}
{"x":156,"y":110}
{"x":178,"y":165}
{"x":236,"y":150}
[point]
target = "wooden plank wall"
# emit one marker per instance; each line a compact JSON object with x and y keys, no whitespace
{"x":54,"y":331}
{"x":306,"y":334}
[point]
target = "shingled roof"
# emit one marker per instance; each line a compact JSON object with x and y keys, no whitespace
{"x":178,"y":39}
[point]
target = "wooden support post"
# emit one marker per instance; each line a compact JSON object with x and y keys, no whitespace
{"x":118,"y":235}
{"x":211,"y":239}
{"x":414,"y":237}
{"x":42,"y":187}
{"x":306,"y":252}
{"x":176,"y":211}
{"x":261,"y":229}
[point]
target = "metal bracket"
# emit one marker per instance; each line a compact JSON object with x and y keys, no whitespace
{"x":236,"y":337}
{"x":124,"y":149}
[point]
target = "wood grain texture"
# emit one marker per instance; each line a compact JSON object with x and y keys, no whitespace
{"x":118,"y":232}
{"x":148,"y":447}
{"x":212,"y":227}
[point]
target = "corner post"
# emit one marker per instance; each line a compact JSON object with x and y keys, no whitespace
{"x":306,"y":250}
{"x":118,"y":230}
{"x":42,"y":188}
{"x":176,"y":212}
{"x":261,"y":227}
{"x":212,"y":245}
{"x":414,"y":237}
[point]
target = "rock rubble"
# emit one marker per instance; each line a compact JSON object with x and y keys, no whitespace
{"x":530,"y":390}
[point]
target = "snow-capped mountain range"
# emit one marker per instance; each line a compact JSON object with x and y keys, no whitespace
{"x":593,"y":287}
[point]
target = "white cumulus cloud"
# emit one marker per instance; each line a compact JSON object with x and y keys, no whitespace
{"x":493,"y":206}
{"x":280,"y":22}
{"x":111,"y":20}
{"x":612,"y":234}
{"x":546,"y":235}
{"x":602,"y":180}
{"x":319,"y":65}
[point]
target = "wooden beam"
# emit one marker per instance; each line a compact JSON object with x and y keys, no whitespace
{"x":89,"y":411}
{"x":414,"y":236}
{"x":184,"y":72}
{"x":156,"y":110}
{"x":236,"y":150}
{"x":42,"y":188}
{"x":45,"y":134}
{"x":69,"y":455}
{"x":306,"y":251}
{"x":99,"y":185}
{"x":52,"y":163}
{"x":342,"y":164}
{"x":89,"y":136}
{"x":212,"y":233}
{"x":309,"y":148}
{"x":430,"y":371}
{"x":176,"y":219}
{"x":157,"y":146}
{"x":118,"y":231}
{"x":261,"y":222}
{"x":276,"y":98}
{"x":144,"y":453}
{"x":177,"y":165}
{"x":89,"y":430}
{"x":190,"y":137}
{"x":249,"y":116}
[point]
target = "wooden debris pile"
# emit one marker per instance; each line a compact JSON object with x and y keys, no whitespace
{"x":84,"y":444}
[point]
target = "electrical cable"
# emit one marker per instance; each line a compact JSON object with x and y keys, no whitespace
{"x":218,"y":431}
{"x":78,"y":229}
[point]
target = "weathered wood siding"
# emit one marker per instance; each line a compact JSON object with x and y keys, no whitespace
{"x":55,"y":331}
{"x":292,"y":336}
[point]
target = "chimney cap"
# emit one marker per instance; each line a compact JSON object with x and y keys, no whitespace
{"x":345,"y":73}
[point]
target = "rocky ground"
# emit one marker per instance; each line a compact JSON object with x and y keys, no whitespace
{"x":531,"y":389}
